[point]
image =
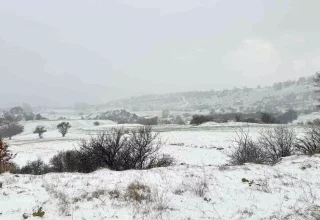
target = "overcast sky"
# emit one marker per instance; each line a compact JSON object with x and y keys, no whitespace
{"x":63,"y":51}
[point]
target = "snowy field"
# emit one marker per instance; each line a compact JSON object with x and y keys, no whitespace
{"x":200,"y":186}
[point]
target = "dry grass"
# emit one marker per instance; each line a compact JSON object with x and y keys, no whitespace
{"x":138,"y":192}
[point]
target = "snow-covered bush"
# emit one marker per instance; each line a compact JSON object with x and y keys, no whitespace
{"x":277,"y":142}
{"x":271,"y":145}
{"x":245,"y":150}
{"x":310,"y":142}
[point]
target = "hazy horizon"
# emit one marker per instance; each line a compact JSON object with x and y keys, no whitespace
{"x":60,"y":52}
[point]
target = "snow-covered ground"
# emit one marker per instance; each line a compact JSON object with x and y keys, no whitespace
{"x":200,"y":186}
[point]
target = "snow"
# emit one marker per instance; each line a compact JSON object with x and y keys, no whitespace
{"x":287,"y":190}
{"x":307,"y":118}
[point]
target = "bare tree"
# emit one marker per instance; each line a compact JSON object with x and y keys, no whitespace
{"x":63,"y":128}
{"x":40,"y":129}
{"x":310,"y":142}
{"x":144,"y":145}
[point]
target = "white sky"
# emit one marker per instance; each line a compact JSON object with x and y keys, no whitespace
{"x":60,"y":52}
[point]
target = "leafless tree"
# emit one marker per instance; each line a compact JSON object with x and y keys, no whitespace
{"x":277,"y":142}
{"x":310,"y":142}
{"x":245,"y":150}
{"x":122,"y":150}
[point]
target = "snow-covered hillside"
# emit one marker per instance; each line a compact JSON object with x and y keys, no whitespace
{"x":298,"y":95}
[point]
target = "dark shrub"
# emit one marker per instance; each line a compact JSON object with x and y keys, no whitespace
{"x":237,"y":118}
{"x":267,"y":118}
{"x":287,"y":117}
{"x":310,"y":142}
{"x":148,"y":121}
{"x":245,"y":150}
{"x":96,"y":123}
{"x":200,"y":119}
{"x":277,"y":142}
{"x":37,"y":167}
{"x":74,"y":161}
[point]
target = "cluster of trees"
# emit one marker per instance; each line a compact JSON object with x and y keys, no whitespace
{"x":9,"y":126}
{"x":286,"y":84}
{"x":124,"y":117}
{"x":62,"y":127}
{"x":9,"y":120}
{"x":21,"y":114}
{"x":120,"y":116}
{"x":259,"y":117}
{"x":170,"y":119}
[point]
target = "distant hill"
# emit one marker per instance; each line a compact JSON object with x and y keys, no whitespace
{"x":280,"y":96}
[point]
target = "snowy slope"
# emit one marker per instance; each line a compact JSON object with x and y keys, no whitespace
{"x":299,"y":96}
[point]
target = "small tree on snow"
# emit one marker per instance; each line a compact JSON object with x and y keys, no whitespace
{"x":40,"y":129}
{"x":63,"y":128}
